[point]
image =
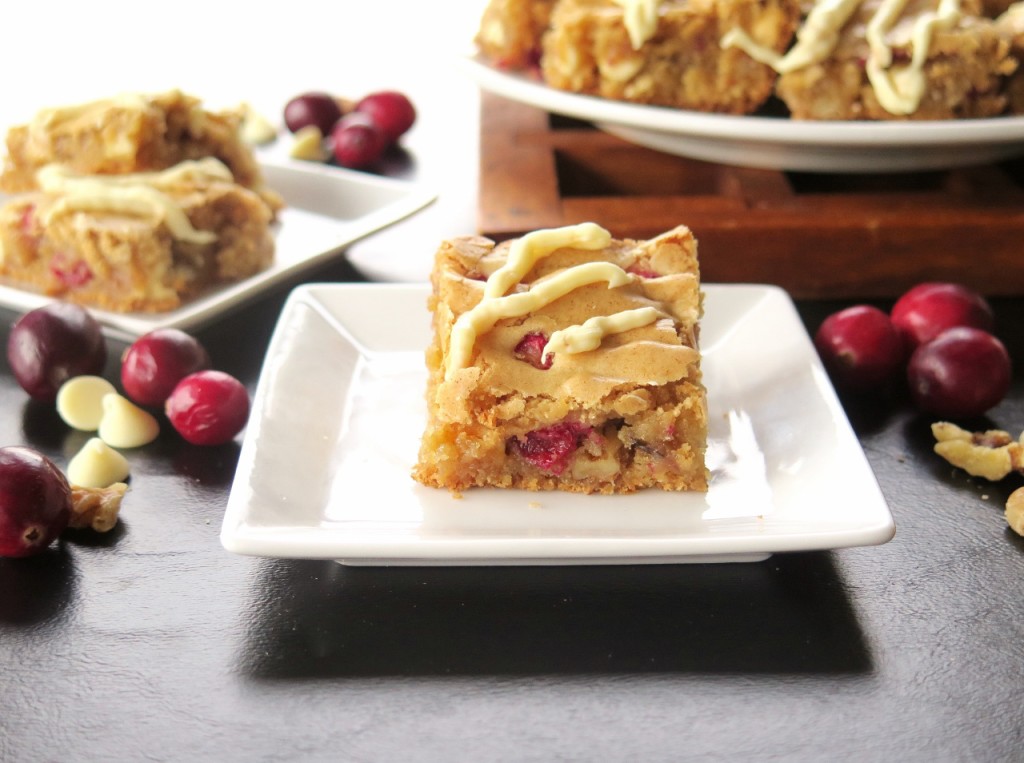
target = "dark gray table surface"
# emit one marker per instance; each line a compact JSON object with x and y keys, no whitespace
{"x":154,"y":643}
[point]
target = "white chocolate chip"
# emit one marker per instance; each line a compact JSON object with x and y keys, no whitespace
{"x":124,"y":424}
{"x":308,"y":144}
{"x":1015,"y":511}
{"x":97,"y":465}
{"x":255,"y":128}
{"x":80,"y":401}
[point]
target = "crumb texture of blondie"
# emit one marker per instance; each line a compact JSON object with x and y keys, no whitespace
{"x":588,"y":49}
{"x":565,"y":360}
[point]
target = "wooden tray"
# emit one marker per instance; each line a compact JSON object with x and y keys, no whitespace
{"x":818,"y":236}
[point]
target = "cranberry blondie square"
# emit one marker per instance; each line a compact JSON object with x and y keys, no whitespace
{"x":565,"y":360}
{"x":134,"y":242}
{"x":126,"y":134}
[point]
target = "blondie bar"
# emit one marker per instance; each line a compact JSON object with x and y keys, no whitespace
{"x":127,"y":134}
{"x":565,"y":360}
{"x":873,"y":59}
{"x":668,"y":54}
{"x":134,"y":242}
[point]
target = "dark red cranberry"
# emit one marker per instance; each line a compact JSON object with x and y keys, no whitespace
{"x":390,"y":110}
{"x":550,"y":448}
{"x":155,"y":362}
{"x":49,"y":345}
{"x":531,"y":350}
{"x":71,"y":277}
{"x":208,"y":407}
{"x":357,"y":141}
{"x":35,"y":501}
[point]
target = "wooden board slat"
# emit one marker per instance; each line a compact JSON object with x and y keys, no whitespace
{"x":816,"y":235}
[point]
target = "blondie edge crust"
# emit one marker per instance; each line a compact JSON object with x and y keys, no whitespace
{"x":565,"y":360}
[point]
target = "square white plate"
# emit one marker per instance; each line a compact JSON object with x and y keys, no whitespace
{"x":328,"y":208}
{"x":324,"y":470}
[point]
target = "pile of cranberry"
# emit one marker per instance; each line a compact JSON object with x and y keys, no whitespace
{"x":358,"y":134}
{"x":166,"y":368}
{"x":939,"y":334}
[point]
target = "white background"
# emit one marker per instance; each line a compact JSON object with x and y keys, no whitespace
{"x":263,"y":54}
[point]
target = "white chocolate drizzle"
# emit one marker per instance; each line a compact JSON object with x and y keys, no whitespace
{"x":487,"y":312}
{"x":640,"y":18}
{"x":524,"y":253}
{"x":815,"y":39}
{"x":139,"y":194}
{"x":589,"y":334}
{"x":899,"y":89}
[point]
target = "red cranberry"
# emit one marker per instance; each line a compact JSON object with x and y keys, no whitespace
{"x":35,"y":502}
{"x":78,"y":274}
{"x":27,"y":222}
{"x":49,"y":345}
{"x":928,"y":309}
{"x":208,"y":407}
{"x":318,"y":109}
{"x":550,"y":448}
{"x":154,"y":364}
{"x":391,"y":111}
{"x":531,"y":350}
{"x":859,"y":347}
{"x":357,"y":142}
{"x":963,"y":372}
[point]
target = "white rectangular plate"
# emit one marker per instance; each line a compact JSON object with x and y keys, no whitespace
{"x":324,"y":470}
{"x":328,"y":208}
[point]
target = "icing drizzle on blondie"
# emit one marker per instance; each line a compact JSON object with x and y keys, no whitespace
{"x":588,"y":335}
{"x":496,"y":304}
{"x":899,"y":89}
{"x":137,"y":194}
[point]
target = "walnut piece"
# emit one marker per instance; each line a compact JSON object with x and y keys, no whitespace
{"x":96,"y":507}
{"x":1015,"y":511}
{"x":992,"y":454}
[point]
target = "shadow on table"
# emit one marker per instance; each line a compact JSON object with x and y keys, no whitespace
{"x":36,"y":592}
{"x":788,"y":615}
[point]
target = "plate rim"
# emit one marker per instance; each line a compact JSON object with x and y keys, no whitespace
{"x":784,"y":131}
{"x":311,"y":541}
